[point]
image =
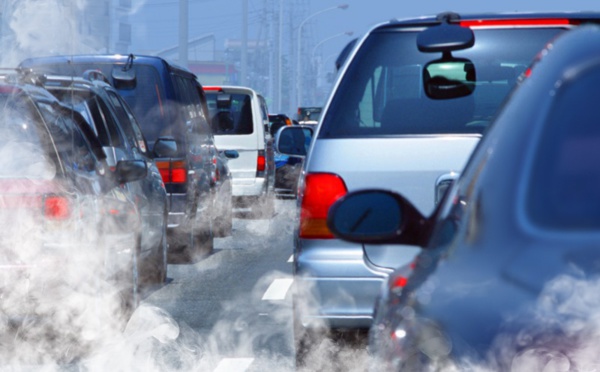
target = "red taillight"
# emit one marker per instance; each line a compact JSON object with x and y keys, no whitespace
{"x":399,"y":282}
{"x":57,"y":207}
{"x":261,"y":161}
{"x":212,"y":89}
{"x":518,"y":22}
{"x":321,"y":190}
{"x":172,"y":171}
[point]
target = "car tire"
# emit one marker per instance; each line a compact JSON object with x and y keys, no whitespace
{"x":224,"y":225}
{"x":130,"y":295}
{"x":306,"y":343}
{"x":162,"y":262}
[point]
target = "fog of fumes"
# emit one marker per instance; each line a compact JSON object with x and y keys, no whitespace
{"x":59,"y":304}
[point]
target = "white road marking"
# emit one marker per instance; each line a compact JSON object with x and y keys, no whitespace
{"x":291,"y":259}
{"x":234,"y":364}
{"x":278,"y":289}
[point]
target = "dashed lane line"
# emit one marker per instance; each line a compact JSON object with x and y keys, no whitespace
{"x":291,"y":259}
{"x":278,"y":289}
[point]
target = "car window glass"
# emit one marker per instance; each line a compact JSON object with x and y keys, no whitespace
{"x":128,"y":122}
{"x":239,"y":115}
{"x":74,"y":150}
{"x":26,"y":148}
{"x":381,"y":92}
{"x":111,"y":124}
{"x":147,"y":100}
{"x":565,"y":179}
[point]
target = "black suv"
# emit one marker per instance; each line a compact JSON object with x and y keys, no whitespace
{"x":121,"y":137}
{"x":171,"y":107}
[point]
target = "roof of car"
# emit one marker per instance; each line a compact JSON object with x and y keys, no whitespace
{"x":107,"y":59}
{"x":576,"y":17}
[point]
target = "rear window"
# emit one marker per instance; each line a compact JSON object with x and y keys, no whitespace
{"x":147,"y":100}
{"x":26,"y":150}
{"x":381,"y":94}
{"x":565,"y":179}
{"x":234,"y":120}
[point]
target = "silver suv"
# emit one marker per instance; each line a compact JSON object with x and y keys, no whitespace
{"x":410,"y":104}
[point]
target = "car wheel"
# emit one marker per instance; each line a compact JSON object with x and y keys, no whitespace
{"x":306,"y":343}
{"x":224,"y":225}
{"x":129,"y":296}
{"x":162,"y":262}
{"x":204,"y":239}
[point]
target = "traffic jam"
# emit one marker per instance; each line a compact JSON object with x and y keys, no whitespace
{"x":439,"y":211}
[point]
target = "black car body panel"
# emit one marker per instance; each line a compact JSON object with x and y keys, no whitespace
{"x":169,"y":103}
{"x":121,"y":138}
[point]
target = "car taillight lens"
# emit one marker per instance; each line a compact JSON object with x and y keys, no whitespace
{"x":56,"y":207}
{"x":172,"y":171}
{"x":261,"y":161}
{"x":321,"y":190}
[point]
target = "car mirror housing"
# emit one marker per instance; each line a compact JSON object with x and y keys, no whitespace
{"x":445,"y":38}
{"x":293,"y":140}
{"x":377,"y":217}
{"x":165,"y":147}
{"x":131,"y":170}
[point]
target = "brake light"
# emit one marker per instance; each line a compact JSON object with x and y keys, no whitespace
{"x":261,"y":162}
{"x":531,"y":22}
{"x":212,"y":89}
{"x":321,"y":190}
{"x":399,"y":282}
{"x":56,"y":207}
{"x":172,"y":171}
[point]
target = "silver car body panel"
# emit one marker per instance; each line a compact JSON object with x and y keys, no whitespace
{"x":345,"y":278}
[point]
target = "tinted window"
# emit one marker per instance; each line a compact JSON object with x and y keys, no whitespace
{"x":128,"y":122}
{"x":74,"y":150}
{"x":147,"y":99}
{"x":565,"y":182}
{"x":238,"y":116}
{"x":381,"y":93}
{"x":26,"y":149}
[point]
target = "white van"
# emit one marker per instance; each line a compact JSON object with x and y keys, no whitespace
{"x":239,"y":117}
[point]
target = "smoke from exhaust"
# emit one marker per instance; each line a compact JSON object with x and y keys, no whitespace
{"x":60,"y":304}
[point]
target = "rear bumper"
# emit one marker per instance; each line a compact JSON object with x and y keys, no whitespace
{"x":248,"y":186}
{"x":334,"y":286}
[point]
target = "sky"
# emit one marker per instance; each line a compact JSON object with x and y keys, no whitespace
{"x":155,"y":22}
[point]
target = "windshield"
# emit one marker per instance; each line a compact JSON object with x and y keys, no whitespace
{"x":382,"y":94}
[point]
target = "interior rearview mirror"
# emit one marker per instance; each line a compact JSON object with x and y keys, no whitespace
{"x":449,"y":78}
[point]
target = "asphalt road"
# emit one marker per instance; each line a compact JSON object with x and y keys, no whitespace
{"x":232,"y":310}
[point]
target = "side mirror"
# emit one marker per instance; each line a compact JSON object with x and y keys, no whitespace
{"x":165,"y":147}
{"x":377,"y":217}
{"x":131,"y":170}
{"x":124,"y":78}
{"x":293,"y":140}
{"x":231,"y":154}
{"x":449,"y":78}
